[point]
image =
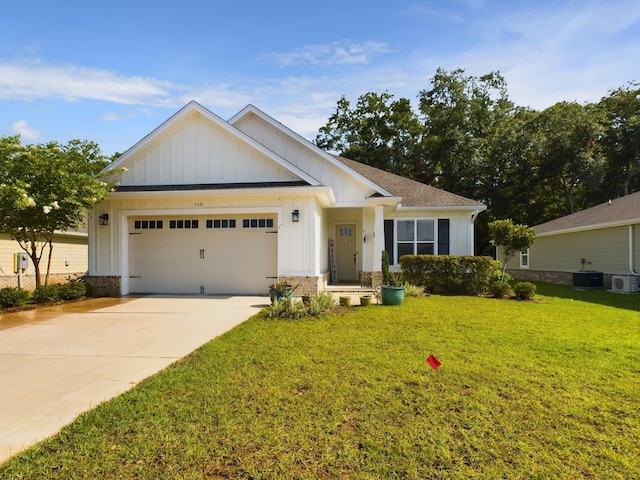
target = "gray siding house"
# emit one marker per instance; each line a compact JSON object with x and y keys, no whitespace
{"x":603,"y":239}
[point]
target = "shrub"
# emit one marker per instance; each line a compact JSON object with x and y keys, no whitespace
{"x":319,"y":305}
{"x":46,"y":293}
{"x":72,"y":290}
{"x":450,"y":273}
{"x":524,"y":290}
{"x":497,"y":276}
{"x":412,"y":290}
{"x":385,"y":268}
{"x":13,"y":297}
{"x":500,"y":289}
{"x":286,"y":308}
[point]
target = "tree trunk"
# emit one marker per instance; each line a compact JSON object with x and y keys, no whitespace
{"x":632,"y":172}
{"x":36,"y":263}
{"x":46,"y":278}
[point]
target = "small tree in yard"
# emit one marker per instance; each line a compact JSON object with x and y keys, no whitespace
{"x":47,"y":188}
{"x":511,"y":239}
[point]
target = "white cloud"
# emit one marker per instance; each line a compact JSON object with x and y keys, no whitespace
{"x":219,"y":97}
{"x":113,"y":116}
{"x":342,"y":52}
{"x":26,"y":132}
{"x":549,"y":54}
{"x":35,"y":79}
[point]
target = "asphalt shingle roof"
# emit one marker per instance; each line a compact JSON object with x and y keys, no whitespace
{"x":414,"y":194}
{"x":621,"y":210}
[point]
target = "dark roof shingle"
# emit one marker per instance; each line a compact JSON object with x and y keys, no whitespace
{"x":414,"y":194}
{"x":621,"y":210}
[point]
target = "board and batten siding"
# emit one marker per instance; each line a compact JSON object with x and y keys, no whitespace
{"x":296,"y":241}
{"x":605,"y":250}
{"x":460,"y":228}
{"x":347,"y":189}
{"x":198,"y":151}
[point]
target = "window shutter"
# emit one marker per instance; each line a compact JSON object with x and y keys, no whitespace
{"x":388,"y":240}
{"x":443,"y":236}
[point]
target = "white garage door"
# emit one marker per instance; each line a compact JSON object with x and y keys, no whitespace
{"x":202,"y":255}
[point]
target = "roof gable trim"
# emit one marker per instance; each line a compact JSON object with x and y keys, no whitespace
{"x":307,"y":144}
{"x":586,"y":228}
{"x":227,"y":127}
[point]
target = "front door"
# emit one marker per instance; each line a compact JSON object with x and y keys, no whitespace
{"x":346,"y":252}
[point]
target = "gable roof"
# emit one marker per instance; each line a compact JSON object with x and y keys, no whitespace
{"x":414,"y":194}
{"x":621,"y":211}
{"x":251,"y":109}
{"x":183,"y":113}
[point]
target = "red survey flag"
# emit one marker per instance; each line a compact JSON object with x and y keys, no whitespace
{"x":434,"y":362}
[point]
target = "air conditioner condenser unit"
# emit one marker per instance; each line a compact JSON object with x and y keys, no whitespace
{"x":625,"y":284}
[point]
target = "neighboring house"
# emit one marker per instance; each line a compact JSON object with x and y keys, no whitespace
{"x":214,"y":207}
{"x":69,"y":259}
{"x":603,"y":238}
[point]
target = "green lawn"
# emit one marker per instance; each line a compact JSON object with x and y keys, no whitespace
{"x":547,"y":389}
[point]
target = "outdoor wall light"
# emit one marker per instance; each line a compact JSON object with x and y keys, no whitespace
{"x":295,"y":215}
{"x":103,"y":219}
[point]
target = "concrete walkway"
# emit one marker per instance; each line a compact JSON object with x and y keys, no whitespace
{"x":57,"y":363}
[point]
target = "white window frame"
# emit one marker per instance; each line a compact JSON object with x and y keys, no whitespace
{"x":525,"y":258}
{"x":415,"y":242}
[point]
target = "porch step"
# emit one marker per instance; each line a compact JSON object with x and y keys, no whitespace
{"x":350,"y":289}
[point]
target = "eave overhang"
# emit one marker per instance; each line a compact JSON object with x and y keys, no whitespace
{"x":586,"y":228}
{"x":323,"y":192}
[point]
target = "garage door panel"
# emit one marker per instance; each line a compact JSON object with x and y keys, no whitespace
{"x":209,"y":260}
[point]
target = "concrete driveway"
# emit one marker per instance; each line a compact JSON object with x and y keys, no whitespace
{"x":61,"y":361}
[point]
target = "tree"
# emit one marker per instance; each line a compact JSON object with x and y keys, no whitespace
{"x":379,"y":131}
{"x":460,"y":114}
{"x":47,"y":188}
{"x":510,"y":238}
{"x":570,"y":162}
{"x":621,"y":140}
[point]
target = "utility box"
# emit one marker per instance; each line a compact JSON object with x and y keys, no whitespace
{"x":588,"y":279}
{"x":20,"y":262}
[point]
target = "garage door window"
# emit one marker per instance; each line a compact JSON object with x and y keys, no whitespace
{"x":147,"y":224}
{"x":222,"y":223}
{"x":183,"y":223}
{"x":257,"y":223}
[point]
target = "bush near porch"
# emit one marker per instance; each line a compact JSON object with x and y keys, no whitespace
{"x":525,"y":390}
{"x":450,"y":274}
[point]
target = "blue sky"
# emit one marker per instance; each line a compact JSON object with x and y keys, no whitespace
{"x":112,"y":71}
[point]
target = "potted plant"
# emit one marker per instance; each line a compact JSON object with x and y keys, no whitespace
{"x":365,"y":300}
{"x":392,"y":292}
{"x":345,"y":301}
{"x":281,"y":290}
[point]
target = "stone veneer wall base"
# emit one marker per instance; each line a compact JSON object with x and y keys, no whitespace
{"x":105,"y":285}
{"x":557,"y":278}
{"x":306,"y":285}
{"x":29,"y":281}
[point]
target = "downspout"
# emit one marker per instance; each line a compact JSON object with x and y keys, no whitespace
{"x":472,"y":240}
{"x":632,"y":262}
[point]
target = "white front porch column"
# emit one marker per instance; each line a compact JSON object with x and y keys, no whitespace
{"x":378,"y":238}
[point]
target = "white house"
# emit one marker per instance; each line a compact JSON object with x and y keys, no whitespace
{"x":207,"y":206}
